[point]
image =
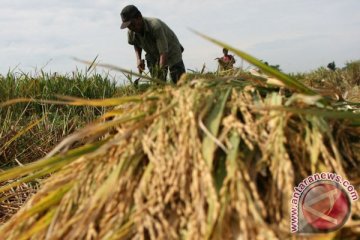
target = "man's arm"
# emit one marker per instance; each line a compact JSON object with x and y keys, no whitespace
{"x":162,"y":45}
{"x":140,"y":64}
{"x":221,"y":61}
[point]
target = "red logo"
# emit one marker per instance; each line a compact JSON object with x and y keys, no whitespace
{"x":326,"y":206}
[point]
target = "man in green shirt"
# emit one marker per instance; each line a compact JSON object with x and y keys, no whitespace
{"x":162,"y":47}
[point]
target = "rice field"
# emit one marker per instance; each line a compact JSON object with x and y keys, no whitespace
{"x":24,"y":124}
{"x":215,"y":157}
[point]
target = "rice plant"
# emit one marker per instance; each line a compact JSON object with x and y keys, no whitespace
{"x":212,"y":158}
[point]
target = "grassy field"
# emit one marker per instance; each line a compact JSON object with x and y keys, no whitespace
{"x":30,"y":129}
{"x":215,"y":157}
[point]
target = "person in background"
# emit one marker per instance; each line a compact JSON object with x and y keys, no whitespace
{"x":227,"y":61}
{"x":161,"y":45}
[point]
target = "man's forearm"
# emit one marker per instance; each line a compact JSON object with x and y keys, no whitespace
{"x":163,"y":60}
{"x":140,"y":63}
{"x":138,"y":53}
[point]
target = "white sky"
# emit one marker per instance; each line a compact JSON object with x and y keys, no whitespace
{"x":299,"y":35}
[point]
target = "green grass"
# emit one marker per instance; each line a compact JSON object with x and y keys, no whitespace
{"x":20,"y":140}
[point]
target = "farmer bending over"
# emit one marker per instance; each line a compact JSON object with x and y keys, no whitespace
{"x":227,"y":61}
{"x":162,"y":47}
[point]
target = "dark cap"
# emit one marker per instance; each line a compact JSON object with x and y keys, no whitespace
{"x":127,"y":14}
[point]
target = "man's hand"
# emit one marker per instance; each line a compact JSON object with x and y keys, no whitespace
{"x":141,"y":65}
{"x":163,"y":61}
{"x":140,"y":62}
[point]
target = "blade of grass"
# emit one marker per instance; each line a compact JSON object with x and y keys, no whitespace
{"x":49,"y":200}
{"x":105,"y":102}
{"x":112,"y":67}
{"x":72,"y":101}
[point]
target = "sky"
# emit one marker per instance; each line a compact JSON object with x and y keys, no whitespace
{"x":298,"y":35}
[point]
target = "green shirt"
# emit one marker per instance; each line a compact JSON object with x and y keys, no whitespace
{"x":157,"y":38}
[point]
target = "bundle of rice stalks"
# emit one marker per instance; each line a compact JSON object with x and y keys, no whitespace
{"x":209,"y":159}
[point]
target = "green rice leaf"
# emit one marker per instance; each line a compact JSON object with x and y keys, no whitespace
{"x":212,"y":124}
{"x":72,"y":101}
{"x":325,"y":113}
